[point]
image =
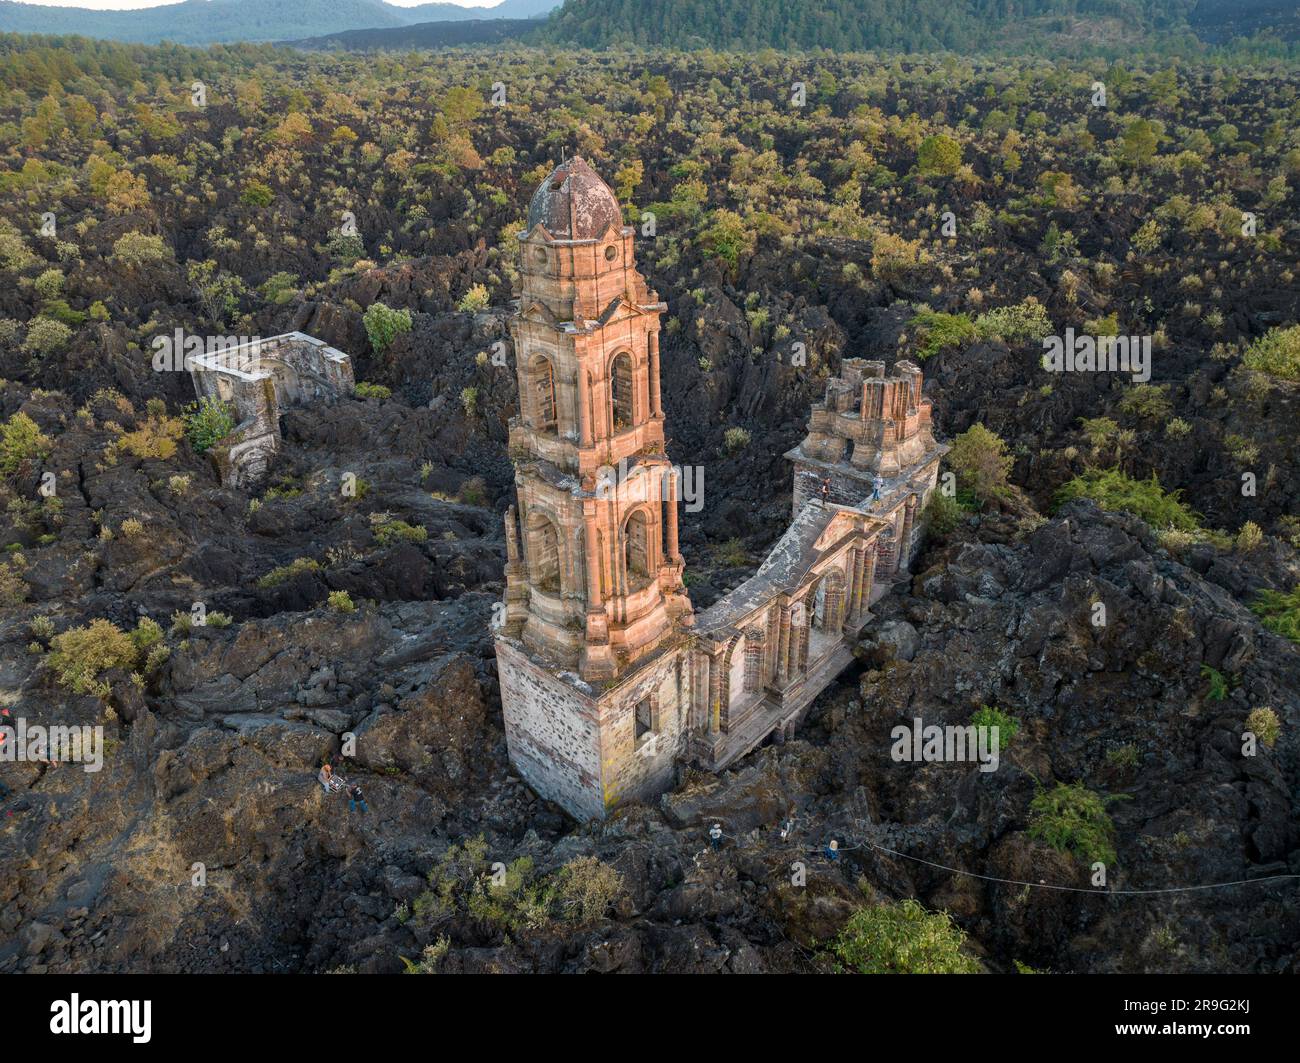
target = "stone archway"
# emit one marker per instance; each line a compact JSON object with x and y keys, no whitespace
{"x":638,"y":559}
{"x":830,"y":602}
{"x":543,"y":380}
{"x":543,"y":554}
{"x":285,"y":378}
{"x":622,"y":390}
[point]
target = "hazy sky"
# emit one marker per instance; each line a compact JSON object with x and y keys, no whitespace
{"x":122,"y":5}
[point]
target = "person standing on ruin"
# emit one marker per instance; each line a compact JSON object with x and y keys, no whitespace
{"x":715,"y":836}
{"x":355,"y":798}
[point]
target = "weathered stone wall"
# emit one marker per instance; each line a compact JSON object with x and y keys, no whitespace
{"x":243,"y":457}
{"x":552,"y":731}
{"x":643,"y":769}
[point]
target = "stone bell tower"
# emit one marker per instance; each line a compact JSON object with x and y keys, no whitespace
{"x":594,"y":589}
{"x":594,"y":576}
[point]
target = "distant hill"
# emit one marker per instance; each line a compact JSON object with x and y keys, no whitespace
{"x":421,"y":35}
{"x":225,"y":21}
{"x":908,"y":25}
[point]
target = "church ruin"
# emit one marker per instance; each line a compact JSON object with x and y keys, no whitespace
{"x":260,"y":379}
{"x":609,"y":678}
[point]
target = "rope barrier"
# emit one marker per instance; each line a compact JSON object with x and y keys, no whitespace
{"x":1080,"y":889}
{"x":1044,"y":885}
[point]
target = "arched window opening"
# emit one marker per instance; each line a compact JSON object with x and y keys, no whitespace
{"x":636,"y":544}
{"x":620,"y":389}
{"x":543,"y":554}
{"x":646,"y":724}
{"x":544,"y":389}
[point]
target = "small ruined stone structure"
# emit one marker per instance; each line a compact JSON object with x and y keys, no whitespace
{"x":608,"y":677}
{"x":260,"y":379}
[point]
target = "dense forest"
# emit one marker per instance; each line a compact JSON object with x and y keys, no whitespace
{"x":1060,"y":26}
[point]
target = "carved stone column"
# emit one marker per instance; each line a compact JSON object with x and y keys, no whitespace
{"x":857,"y":567}
{"x":905,"y":547}
{"x":754,"y":639}
{"x":715,"y":695}
{"x":805,"y":631}
{"x":674,"y":555}
{"x":594,"y":580}
{"x":783,"y":648}
{"x":656,"y":408}
{"x":584,"y":408}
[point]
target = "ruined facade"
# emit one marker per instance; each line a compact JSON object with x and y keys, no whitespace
{"x":260,"y":379}
{"x":609,"y":679}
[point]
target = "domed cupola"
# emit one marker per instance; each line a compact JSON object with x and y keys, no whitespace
{"x":573,"y":203}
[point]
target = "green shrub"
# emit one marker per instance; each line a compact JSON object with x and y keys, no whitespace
{"x":279,"y":288}
{"x":938,"y":155}
{"x":257,"y":194}
{"x":49,"y":285}
{"x":207,"y":422}
{"x":473,"y":492}
{"x":980,"y":460}
{"x":1219,"y":685}
{"x":902,"y":938}
{"x":1006,"y":725}
{"x":384,"y":324}
{"x":1265,"y":725}
{"x":341,"y":602}
{"x":389,"y":531}
{"x":942,"y":514}
{"x":1276,"y":353}
{"x":1027,"y":321}
{"x":13,"y":588}
{"x":1114,"y":490}
{"x":21,"y":440}
{"x":46,"y":336}
{"x":939,"y":332}
{"x":81,"y":655}
{"x":1279,"y":611}
{"x":735,"y":439}
{"x":474,"y":300}
{"x":1146,"y":402}
{"x":134,"y":250}
{"x":585,"y":888}
{"x":283,"y":573}
{"x":1071,"y":818}
{"x":1250,"y":536}
{"x":732,"y":553}
{"x":363,"y":390}
{"x":155,"y":439}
